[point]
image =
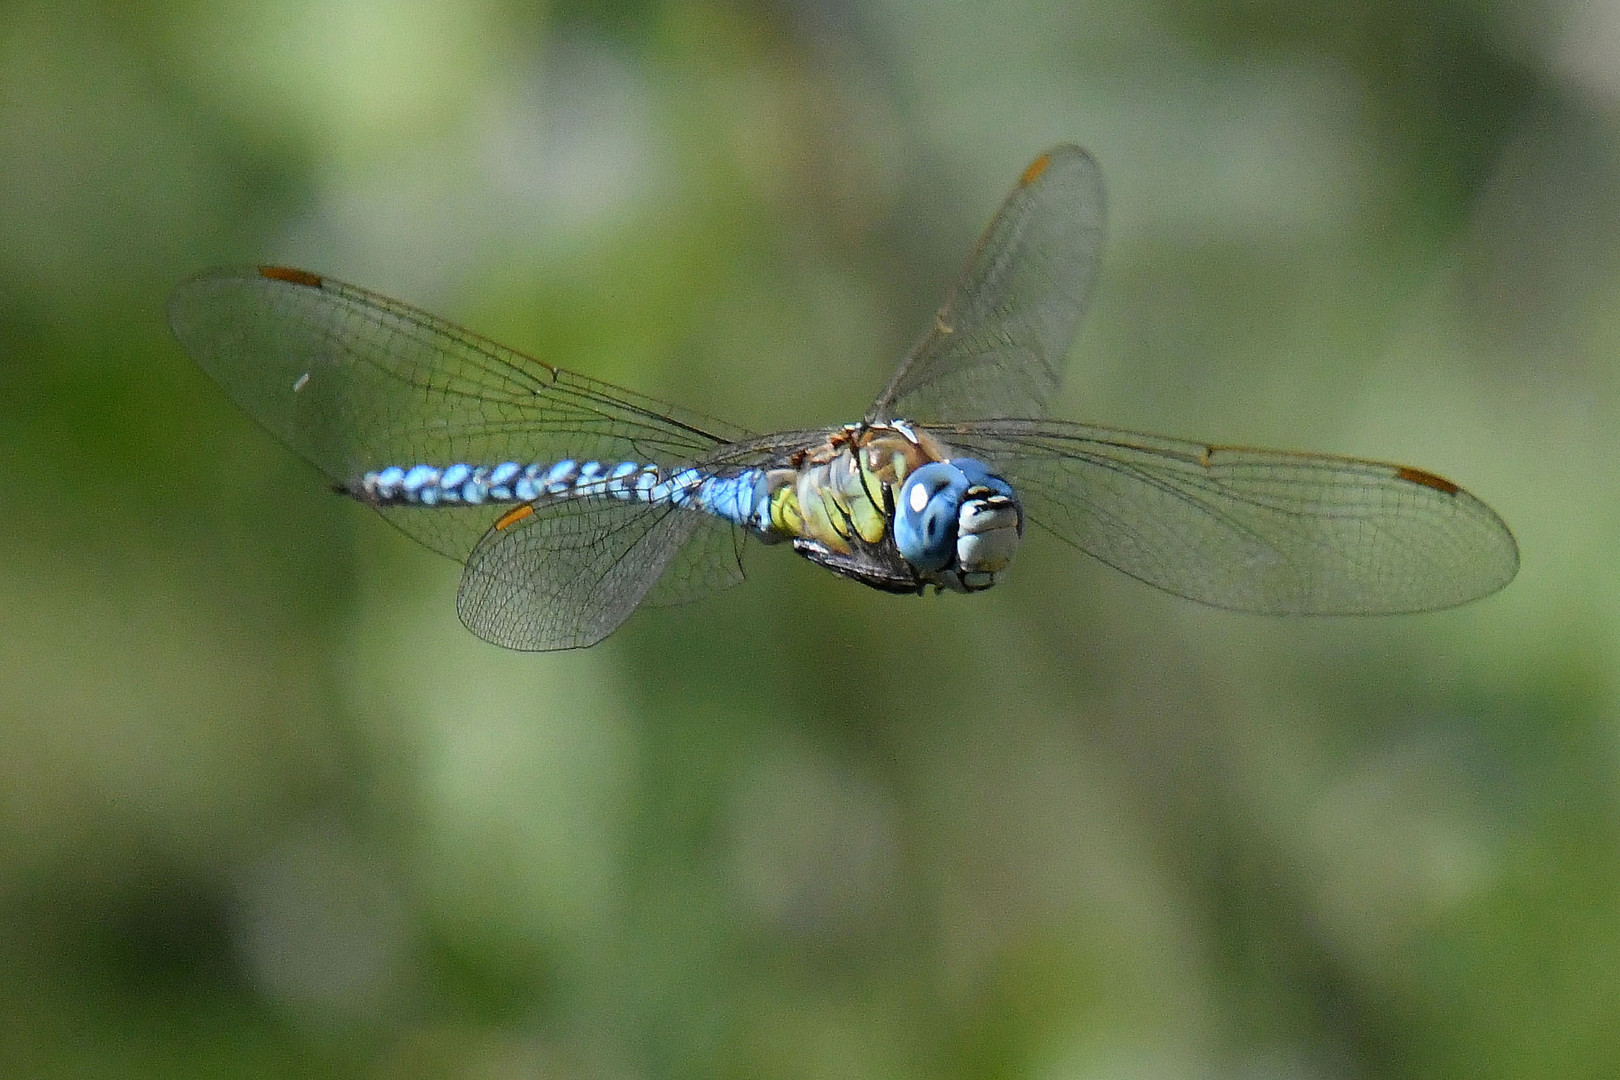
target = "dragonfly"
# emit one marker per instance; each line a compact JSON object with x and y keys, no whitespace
{"x":572,"y":502}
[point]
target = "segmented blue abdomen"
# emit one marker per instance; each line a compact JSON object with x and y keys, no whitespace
{"x":741,"y":499}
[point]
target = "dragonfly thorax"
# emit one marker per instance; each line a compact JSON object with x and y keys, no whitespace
{"x":891,"y":506}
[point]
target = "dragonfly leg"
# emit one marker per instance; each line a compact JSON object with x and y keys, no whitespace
{"x":868,"y":566}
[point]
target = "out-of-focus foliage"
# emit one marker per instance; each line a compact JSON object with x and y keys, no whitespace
{"x":266,"y":809}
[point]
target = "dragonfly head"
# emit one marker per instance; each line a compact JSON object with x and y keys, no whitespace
{"x":958,"y":522}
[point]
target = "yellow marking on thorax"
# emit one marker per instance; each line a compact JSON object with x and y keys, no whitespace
{"x":785,"y":515}
{"x":840,"y":490}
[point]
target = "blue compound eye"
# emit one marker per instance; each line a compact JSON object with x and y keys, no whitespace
{"x":925,"y":521}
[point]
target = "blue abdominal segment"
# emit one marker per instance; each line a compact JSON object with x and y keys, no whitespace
{"x":741,"y":499}
{"x":469,"y":485}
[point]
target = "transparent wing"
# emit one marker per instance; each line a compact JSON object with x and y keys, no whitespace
{"x":355,"y":381}
{"x":1252,"y":530}
{"x":711,"y":560}
{"x":567,"y":575}
{"x":998,"y":345}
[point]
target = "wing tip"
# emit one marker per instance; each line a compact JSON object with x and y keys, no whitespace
{"x":291,"y":276}
{"x":1033,"y":172}
{"x":1423,"y":478}
{"x":513,"y":516}
{"x":1064,"y":154}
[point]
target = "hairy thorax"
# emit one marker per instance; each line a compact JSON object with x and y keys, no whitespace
{"x":841,"y":494}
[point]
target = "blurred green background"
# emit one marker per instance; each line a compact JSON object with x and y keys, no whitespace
{"x":267,"y":810}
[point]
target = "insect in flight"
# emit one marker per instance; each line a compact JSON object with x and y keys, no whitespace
{"x":572,"y":502}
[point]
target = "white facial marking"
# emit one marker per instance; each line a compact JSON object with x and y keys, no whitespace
{"x":919,"y":498}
